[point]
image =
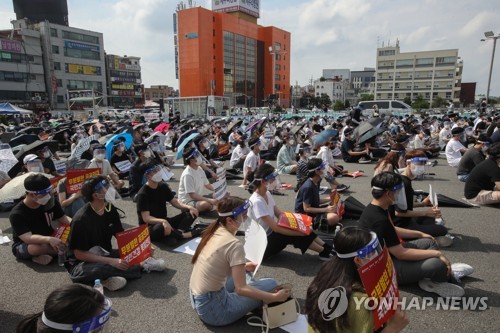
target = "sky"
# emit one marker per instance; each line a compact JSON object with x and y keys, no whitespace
{"x":325,"y":33}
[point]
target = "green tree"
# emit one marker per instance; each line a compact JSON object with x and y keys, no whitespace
{"x":407,"y":100}
{"x":438,"y":102}
{"x":347,"y":104}
{"x":338,"y":106}
{"x":324,"y":100}
{"x":366,"y":97}
{"x":420,"y":103}
{"x":322,"y":79}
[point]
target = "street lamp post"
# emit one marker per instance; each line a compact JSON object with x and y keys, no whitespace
{"x":490,"y":35}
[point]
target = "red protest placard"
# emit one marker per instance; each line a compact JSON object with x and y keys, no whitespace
{"x":76,"y":177}
{"x":134,"y":244}
{"x":299,"y":222}
{"x":62,"y":232}
{"x":224,"y":149}
{"x":55,"y":181}
{"x":380,"y":281}
{"x":337,"y":202}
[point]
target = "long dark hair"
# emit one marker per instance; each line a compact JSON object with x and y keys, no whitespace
{"x":226,"y":205}
{"x":70,"y":304}
{"x":262,"y":171}
{"x":336,"y":272}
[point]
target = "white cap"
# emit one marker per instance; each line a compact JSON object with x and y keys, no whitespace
{"x":29,"y":157}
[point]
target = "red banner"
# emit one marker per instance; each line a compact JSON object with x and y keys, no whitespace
{"x":380,"y":281}
{"x":224,"y":149}
{"x":43,"y":136}
{"x":299,"y":222}
{"x":337,"y":202}
{"x":62,"y":232}
{"x":55,"y":181}
{"x":134,"y":244}
{"x":76,"y":177}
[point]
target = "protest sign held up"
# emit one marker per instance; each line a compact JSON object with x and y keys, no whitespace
{"x":134,"y":244}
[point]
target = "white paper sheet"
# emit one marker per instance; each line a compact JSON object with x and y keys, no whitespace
{"x":255,"y":244}
{"x":298,"y":326}
{"x":4,"y":240}
{"x":189,"y":247}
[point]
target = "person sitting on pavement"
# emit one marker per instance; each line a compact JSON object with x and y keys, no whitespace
{"x":308,"y":200}
{"x":31,"y":220}
{"x":69,"y":308}
{"x":44,"y":155}
{"x":285,"y":160}
{"x":238,"y":155}
{"x":390,"y":162}
{"x":454,"y":148}
{"x":325,"y":154}
{"x":89,"y":153}
{"x":91,"y":255}
{"x":483,"y":184}
{"x":72,"y":203}
{"x":152,"y":210}
{"x":264,"y":211}
{"x":119,"y":155}
{"x":208,"y":165}
{"x":302,"y":157}
{"x":135,"y":175}
{"x":193,"y":181}
{"x":221,"y":287}
{"x":473,"y":157}
{"x":99,"y":161}
{"x":354,"y":247}
{"x":415,"y":254}
{"x":349,"y":152}
{"x":252,"y":161}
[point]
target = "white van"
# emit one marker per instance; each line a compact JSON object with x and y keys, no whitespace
{"x":387,"y":107}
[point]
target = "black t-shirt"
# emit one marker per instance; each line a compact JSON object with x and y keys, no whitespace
{"x":154,"y":201}
{"x":376,"y":219}
{"x":135,"y":177}
{"x":115,"y":159}
{"x":89,"y":229}
{"x":482,"y":177}
{"x":469,"y":160}
{"x":49,"y":164}
{"x":308,"y":193}
{"x":37,"y":221}
{"x":346,"y":146}
{"x":87,"y":155}
{"x":409,"y":192}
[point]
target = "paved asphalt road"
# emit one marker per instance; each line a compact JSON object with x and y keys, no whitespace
{"x":158,"y":302}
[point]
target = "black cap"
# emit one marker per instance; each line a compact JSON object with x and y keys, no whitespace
{"x":36,"y":182}
{"x":348,"y":131}
{"x":457,"y":130}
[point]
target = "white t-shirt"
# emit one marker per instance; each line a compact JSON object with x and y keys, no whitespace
{"x":103,"y":165}
{"x":326,"y":155}
{"x":444,"y":136}
{"x":453,"y":154}
{"x":238,"y":152}
{"x":262,"y":208}
{"x":192,"y":181}
{"x":251,"y":161}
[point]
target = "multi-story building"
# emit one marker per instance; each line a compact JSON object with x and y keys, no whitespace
{"x":124,"y":81}
{"x":225,"y":53}
{"x":22,"y":79}
{"x":158,"y":92}
{"x":363,"y":82}
{"x":74,"y":65}
{"x":430,"y":74}
{"x":337,"y":89}
{"x":344,"y":74}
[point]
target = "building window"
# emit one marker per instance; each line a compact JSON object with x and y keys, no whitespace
{"x":80,"y":37}
{"x":213,"y":32}
{"x":386,"y":53}
{"x":59,"y":83}
{"x":55,"y":49}
{"x":57,"y":66}
{"x":60,"y":99}
{"x":53,"y":32}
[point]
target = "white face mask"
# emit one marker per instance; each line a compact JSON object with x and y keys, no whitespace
{"x":157,"y":177}
{"x":100,"y":157}
{"x":198,"y":160}
{"x":110,"y":195}
{"x":324,"y":173}
{"x":122,"y":149}
{"x":147,"y":154}
{"x":43,"y":200}
{"x":291,"y":142}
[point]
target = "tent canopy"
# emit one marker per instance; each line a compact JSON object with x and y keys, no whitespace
{"x":7,"y":108}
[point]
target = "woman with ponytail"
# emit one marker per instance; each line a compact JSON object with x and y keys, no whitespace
{"x":266,"y":213}
{"x":221,"y":287}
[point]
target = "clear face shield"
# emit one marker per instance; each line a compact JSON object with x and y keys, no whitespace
{"x":240,"y":215}
{"x":399,"y":195}
{"x":417,"y":166}
{"x":99,"y":154}
{"x":106,"y":191}
{"x":92,"y":325}
{"x":34,"y":166}
{"x":367,"y":252}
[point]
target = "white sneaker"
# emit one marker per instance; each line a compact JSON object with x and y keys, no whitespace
{"x":460,"y":270}
{"x":440,"y":221}
{"x":43,"y":259}
{"x":152,"y":264}
{"x":443,"y":289}
{"x":114,"y":283}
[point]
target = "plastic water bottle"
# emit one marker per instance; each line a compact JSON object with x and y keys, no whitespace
{"x":61,"y":256}
{"x":98,"y":286}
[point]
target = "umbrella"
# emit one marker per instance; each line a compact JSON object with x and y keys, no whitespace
{"x":324,"y":136}
{"x":59,"y":135}
{"x":375,"y":121}
{"x":180,"y":149}
{"x":237,"y":123}
{"x":21,"y":151}
{"x":103,"y":139}
{"x":183,"y":136}
{"x":220,"y":120}
{"x":83,"y":145}
{"x":112,"y":140}
{"x":194,"y":122}
{"x":255,"y":124}
{"x":30,"y":130}
{"x":7,"y":159}
{"x":162,"y":127}
{"x":14,"y":189}
{"x":24,"y":139}
{"x":160,"y":135}
{"x":296,"y":129}
{"x":371,"y":133}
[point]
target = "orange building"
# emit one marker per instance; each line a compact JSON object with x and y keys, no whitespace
{"x":230,"y":55}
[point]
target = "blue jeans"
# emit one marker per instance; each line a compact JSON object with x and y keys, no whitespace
{"x":223,"y":307}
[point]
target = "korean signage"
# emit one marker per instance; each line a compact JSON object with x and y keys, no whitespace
{"x":123,"y":86}
{"x":10,"y":45}
{"x":80,"y":46}
{"x":76,"y":177}
{"x":82,"y":69}
{"x":134,"y":244}
{"x":250,"y":7}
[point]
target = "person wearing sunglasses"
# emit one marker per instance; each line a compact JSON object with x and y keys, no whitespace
{"x":354,"y":247}
{"x":221,"y":287}
{"x":31,"y":220}
{"x":266,"y":213}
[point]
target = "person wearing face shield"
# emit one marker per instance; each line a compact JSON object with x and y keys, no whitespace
{"x":264,"y":211}
{"x":303,"y":156}
{"x":285,"y":160}
{"x":152,"y":210}
{"x":44,"y":155}
{"x":70,"y":308}
{"x":416,"y":259}
{"x":239,"y":154}
{"x":33,"y":220}
{"x":483,"y":184}
{"x":91,"y":254}
{"x":208,"y":165}
{"x":308,"y":200}
{"x":354,"y":247}
{"x":252,"y":161}
{"x":444,"y":135}
{"x":135,"y":175}
{"x":221,"y":288}
{"x":119,"y":155}
{"x":100,"y":162}
{"x":454,"y":148}
{"x":473,"y":157}
{"x":193,"y":181}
